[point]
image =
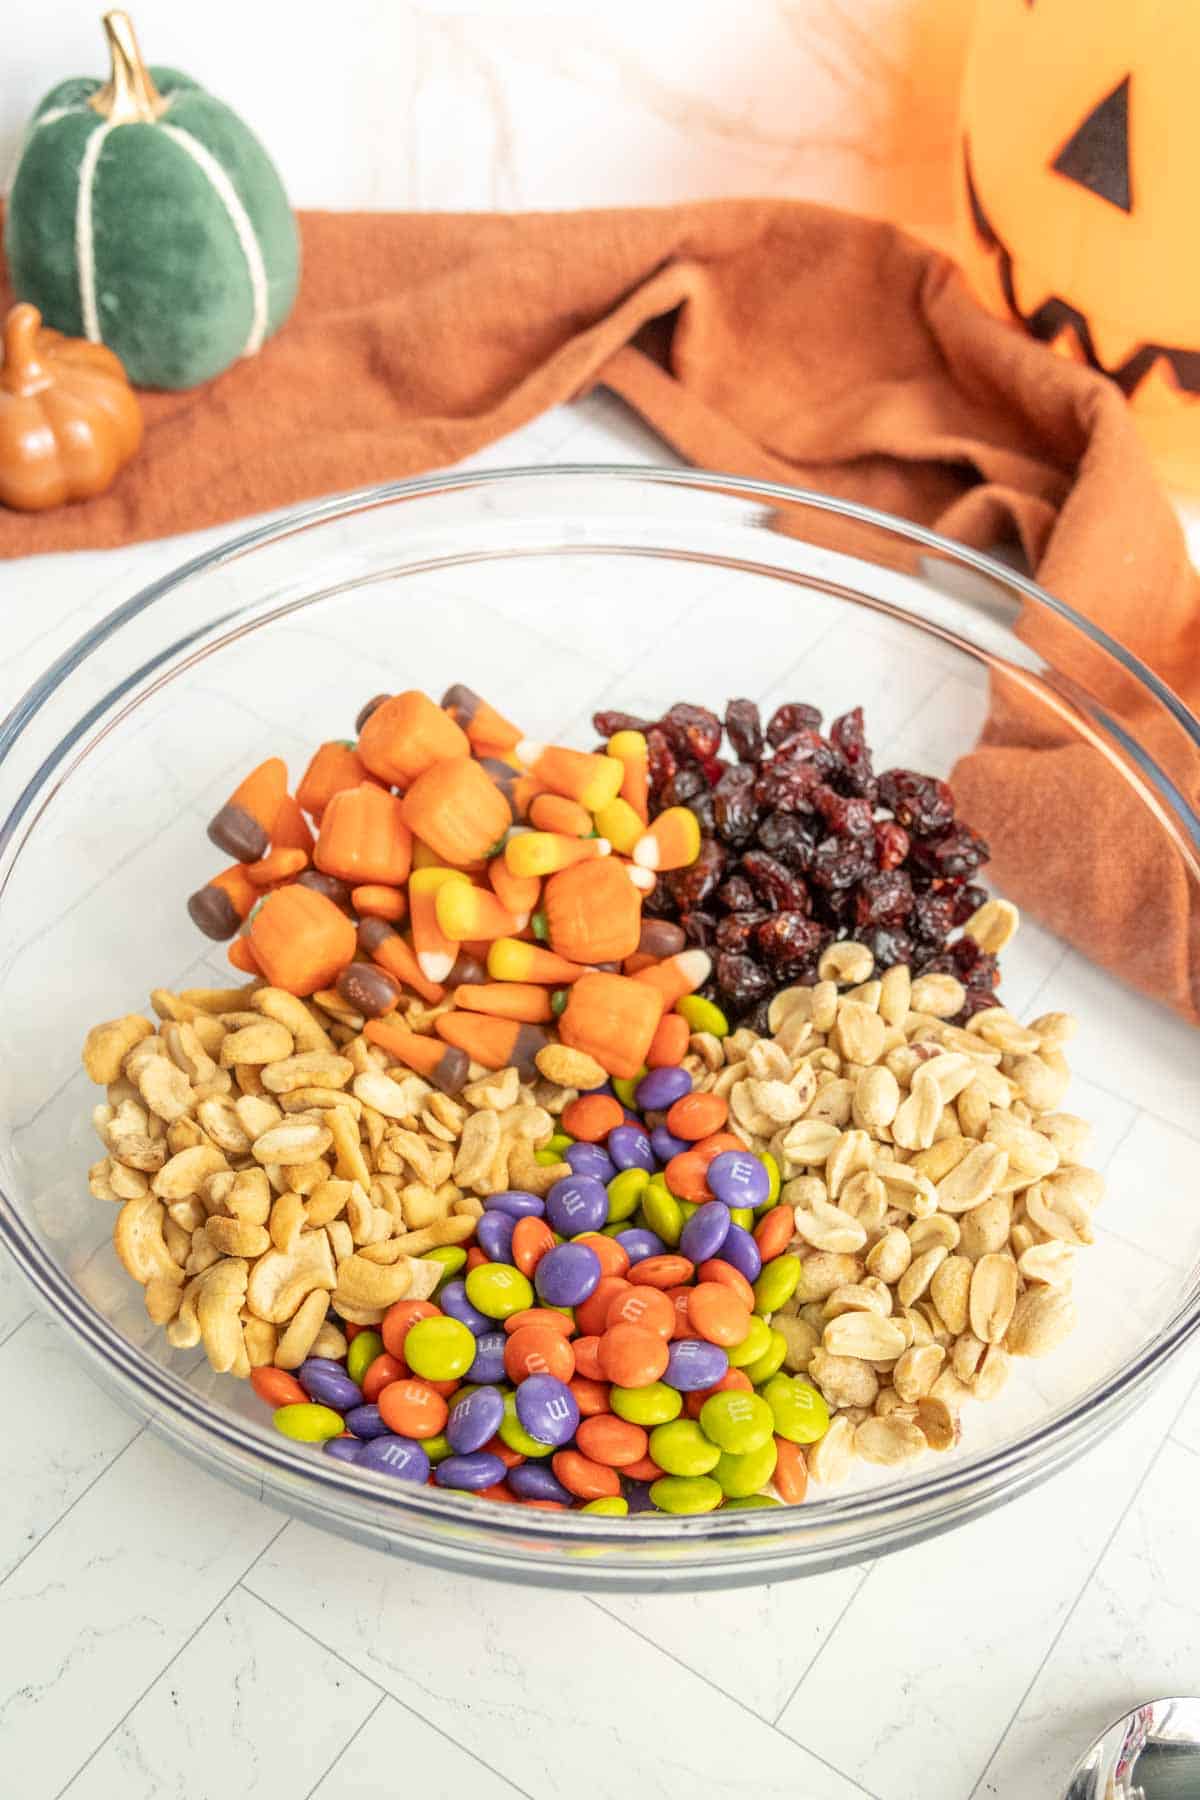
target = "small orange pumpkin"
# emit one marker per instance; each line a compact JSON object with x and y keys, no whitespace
{"x":69,"y":419}
{"x":611,"y":1018}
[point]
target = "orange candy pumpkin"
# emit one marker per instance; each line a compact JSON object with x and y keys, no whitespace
{"x":69,"y":419}
{"x":1076,"y":189}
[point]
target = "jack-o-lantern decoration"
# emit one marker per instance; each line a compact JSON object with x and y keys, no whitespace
{"x":1079,"y":164}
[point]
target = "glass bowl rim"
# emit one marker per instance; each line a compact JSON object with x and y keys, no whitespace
{"x":157,"y":1387}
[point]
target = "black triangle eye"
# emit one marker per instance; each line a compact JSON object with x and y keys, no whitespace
{"x":1097,"y":155}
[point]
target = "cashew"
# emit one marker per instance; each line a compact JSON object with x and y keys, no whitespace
{"x":265,"y":1041}
{"x":185,"y":1172}
{"x":363,"y":1283}
{"x":237,"y":1237}
{"x":300,"y":1336}
{"x":311,"y":1068}
{"x":218,"y":1306}
{"x":139,"y":1242}
{"x":165,"y":1088}
{"x":106,"y":1046}
{"x":288,"y":1011}
{"x":298,"y":1141}
{"x":278,"y":1282}
{"x":287,"y":1221}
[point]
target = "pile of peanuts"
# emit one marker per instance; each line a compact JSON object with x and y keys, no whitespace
{"x":938,"y":1193}
{"x":268,"y":1168}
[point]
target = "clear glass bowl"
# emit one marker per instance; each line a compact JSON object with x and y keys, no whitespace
{"x":554,"y":592}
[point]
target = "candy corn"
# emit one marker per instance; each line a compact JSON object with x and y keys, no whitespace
{"x":242,"y":828}
{"x":511,"y":960}
{"x":633,"y":753}
{"x":621,"y":825}
{"x":435,"y":951}
{"x":481,"y":722}
{"x":496,"y":1043}
{"x":519,"y":788}
{"x":507,"y":1000}
{"x":377,"y":940}
{"x":545,"y":852}
{"x":219,"y":907}
{"x":440,"y":1063}
{"x":579,"y":775}
{"x":677,"y":975}
{"x":374,"y":901}
{"x":553,"y":812}
{"x":672,"y":842}
{"x":466,"y":912}
{"x":519,"y":893}
{"x":277,"y":865}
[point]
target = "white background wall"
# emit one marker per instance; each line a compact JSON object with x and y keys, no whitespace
{"x":379,"y":103}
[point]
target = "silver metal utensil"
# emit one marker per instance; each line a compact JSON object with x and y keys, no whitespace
{"x":1151,"y":1753}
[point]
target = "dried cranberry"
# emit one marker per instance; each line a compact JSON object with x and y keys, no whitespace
{"x":778,"y":887}
{"x":700,"y":929}
{"x":840,"y":862}
{"x":932,"y":918}
{"x":712,"y":768}
{"x":793,"y":717}
{"x":975,"y":1002}
{"x":736,"y":930}
{"x":967,"y":900}
{"x":691,"y":887}
{"x":683,"y":787}
{"x":692,"y":731}
{"x":759,"y":1018}
{"x":846,"y":736}
{"x":788,"y":940}
{"x":743,"y":727}
{"x":883,"y":899}
{"x":734,"y":811}
{"x":958,"y":851}
{"x":740,"y":980}
{"x":891,"y":843}
{"x":659,"y":903}
{"x":705,"y":811}
{"x":736,"y":894}
{"x":976,"y":968}
{"x":787,"y":785}
{"x":848,"y":818}
{"x":920,"y":802}
{"x":789,"y":838}
{"x":888,"y":946}
{"x":662,"y":760}
{"x":607,"y":724}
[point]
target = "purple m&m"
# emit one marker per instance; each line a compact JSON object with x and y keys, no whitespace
{"x":493,"y":1234}
{"x":345,"y":1450}
{"x":534,"y":1481}
{"x":639,"y":1242}
{"x":577,"y":1204}
{"x":489,"y":1357}
{"x":327,"y":1382}
{"x":566,"y":1275}
{"x":738,"y":1178}
{"x":479,"y":1470}
{"x":661,"y":1088}
{"x":474,"y":1419}
{"x":704,"y":1232}
{"x":741,"y":1252}
{"x":453,"y":1300}
{"x":629,"y":1148}
{"x":590,"y":1159}
{"x":365,"y":1421}
{"x":547,"y":1409}
{"x":694,"y":1363}
{"x":516,"y":1203}
{"x":665,"y":1144}
{"x":391,"y":1455}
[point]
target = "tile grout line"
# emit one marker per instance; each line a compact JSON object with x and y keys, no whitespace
{"x":67,"y":1511}
{"x":342,"y":1749}
{"x":19,"y":1326}
{"x":385,"y":1692}
{"x":1179,"y":1444}
{"x":1080,"y":1592}
{"x":726,"y":1695}
{"x":864,"y":1577}
{"x":160,"y":1672}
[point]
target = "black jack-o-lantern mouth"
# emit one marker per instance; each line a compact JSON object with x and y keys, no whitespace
{"x":1055,"y":315}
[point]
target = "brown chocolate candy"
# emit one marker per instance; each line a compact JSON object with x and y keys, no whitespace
{"x":529,"y":1040}
{"x":372,"y":933}
{"x":461,"y":702}
{"x":329,"y":885}
{"x":369,"y":989}
{"x":450,"y":1074}
{"x":661,"y":938}
{"x":211,"y":909}
{"x":468,"y":971}
{"x":239,"y":834}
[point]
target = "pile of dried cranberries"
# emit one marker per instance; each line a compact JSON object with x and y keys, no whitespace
{"x":803,"y":843}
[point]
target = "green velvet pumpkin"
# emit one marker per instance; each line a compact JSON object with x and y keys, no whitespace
{"x":144,"y":215}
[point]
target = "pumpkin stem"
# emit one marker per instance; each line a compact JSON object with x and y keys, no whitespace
{"x":21,"y":372}
{"x":129,"y":96}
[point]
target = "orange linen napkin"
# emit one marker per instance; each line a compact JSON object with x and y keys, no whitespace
{"x":769,"y":339}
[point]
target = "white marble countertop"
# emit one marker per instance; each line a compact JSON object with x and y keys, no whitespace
{"x":162,"y":1636}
